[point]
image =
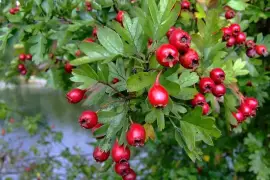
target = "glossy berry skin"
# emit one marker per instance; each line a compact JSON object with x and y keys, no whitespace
{"x":252,"y":102}
{"x":198,"y":99}
{"x":68,"y":67}
{"x":96,"y":127}
{"x":205,"y":108}
{"x":22,"y":57}
{"x":231,"y":41}
{"x":94,"y":32}
{"x":158,"y":96}
{"x":21,"y":67}
{"x":130,"y":176}
{"x":217,"y":75}
{"x":167,"y":55}
{"x":241,"y":38}
{"x":239,"y":116}
{"x":219,"y":90}
{"x":251,"y":53}
{"x":181,"y":40}
{"x":100,"y":155}
{"x":136,"y":135}
{"x":170,"y":31}
{"x":74,"y":96}
{"x":227,"y":33}
{"x":122,"y":168}
{"x":250,"y":44}
{"x":89,"y":40}
{"x":88,"y":119}
{"x":119,"y":16}
{"x":261,"y":50}
{"x":28,"y":57}
{"x":115,"y":80}
{"x":185,"y":5}
{"x":206,"y":85}
{"x":236,"y":29}
{"x":120,"y":154}
{"x":230,"y":14}
{"x":190,"y":60}
{"x":246,"y":110}
{"x":23,"y":72}
{"x":12,"y":11}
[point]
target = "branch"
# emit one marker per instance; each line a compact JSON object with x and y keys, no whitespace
{"x":118,"y":92}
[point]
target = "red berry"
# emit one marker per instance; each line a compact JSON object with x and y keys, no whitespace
{"x":119,"y":16}
{"x":94,"y":33}
{"x":78,"y":53}
{"x":88,"y":119}
{"x":28,"y":57}
{"x":250,"y":44}
{"x":219,"y":90}
{"x":252,"y":102}
{"x":89,"y":8}
{"x":205,"y":108}
{"x":75,"y":95}
{"x":88,"y":4}
{"x":231,"y":41}
{"x":251,"y":52}
{"x":68,"y":67}
{"x":239,"y":116}
{"x":180,"y":39}
{"x":120,"y":154}
{"x":261,"y":50}
{"x":206,"y":85}
{"x":23,"y":72}
{"x":230,"y":14}
{"x":185,"y":5}
{"x":167,"y":55}
{"x":227,"y":33}
{"x":170,"y":31}
{"x":236,"y":29}
{"x":158,"y":95}
{"x":122,"y":168}
{"x":136,"y":135}
{"x":217,"y":75}
{"x":115,"y":80}
{"x":198,"y":99}
{"x":22,"y":57}
{"x":130,"y":176}
{"x":241,"y":38}
{"x":89,"y":40}
{"x":246,"y":110}
{"x":12,"y":11}
{"x":249,"y":83}
{"x":96,"y":127}
{"x":21,"y":67}
{"x":190,"y":59}
{"x":100,"y":155}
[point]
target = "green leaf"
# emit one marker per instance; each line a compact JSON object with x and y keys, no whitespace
{"x":160,"y":119}
{"x":186,"y":93}
{"x":103,"y":72}
{"x":238,"y":5}
{"x":238,"y":68}
{"x":153,"y":9}
{"x":188,"y":78}
{"x":151,"y":116}
{"x":140,"y":80}
{"x":94,"y":51}
{"x":110,"y":40}
{"x":38,"y":48}
{"x":200,"y":14}
{"x":101,"y":131}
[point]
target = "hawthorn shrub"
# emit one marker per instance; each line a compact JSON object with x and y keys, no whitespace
{"x":174,"y":76}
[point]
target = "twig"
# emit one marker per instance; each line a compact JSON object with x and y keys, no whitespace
{"x":119,"y":93}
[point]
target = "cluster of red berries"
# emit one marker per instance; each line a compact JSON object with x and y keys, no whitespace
{"x":213,"y":84}
{"x":14,"y":10}
{"x":178,"y":50}
{"x":247,"y":109}
{"x":88,"y":5}
{"x":255,"y":49}
{"x":135,"y":136}
{"x":21,"y":67}
{"x":233,"y":35}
